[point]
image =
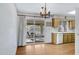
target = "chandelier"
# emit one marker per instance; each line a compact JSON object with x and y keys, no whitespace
{"x":44,"y":13}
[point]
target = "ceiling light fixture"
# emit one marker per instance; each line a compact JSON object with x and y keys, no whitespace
{"x":72,"y":12}
{"x":44,"y":13}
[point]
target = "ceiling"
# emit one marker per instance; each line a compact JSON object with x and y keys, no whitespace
{"x":55,"y":8}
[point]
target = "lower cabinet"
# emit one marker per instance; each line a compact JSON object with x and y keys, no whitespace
{"x":63,"y":38}
{"x":57,"y":38}
{"x":54,"y":38}
{"x":73,"y":37}
{"x":68,"y":37}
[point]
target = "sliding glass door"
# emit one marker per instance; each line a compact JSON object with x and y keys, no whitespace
{"x":34,"y":31}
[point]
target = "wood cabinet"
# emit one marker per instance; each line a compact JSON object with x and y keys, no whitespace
{"x":55,"y":22}
{"x":73,"y":37}
{"x":54,"y":38}
{"x":71,"y":24}
{"x":65,"y":38}
{"x":68,"y":37}
{"x":57,"y":38}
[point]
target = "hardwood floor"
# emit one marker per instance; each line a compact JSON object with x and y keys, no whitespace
{"x":47,"y":49}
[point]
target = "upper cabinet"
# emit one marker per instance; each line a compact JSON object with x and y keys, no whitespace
{"x":62,"y":24}
{"x":55,"y":22}
{"x":71,"y":24}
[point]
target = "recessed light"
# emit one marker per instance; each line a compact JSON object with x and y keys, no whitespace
{"x":72,"y":12}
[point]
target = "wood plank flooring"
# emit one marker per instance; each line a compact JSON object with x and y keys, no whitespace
{"x":47,"y":49}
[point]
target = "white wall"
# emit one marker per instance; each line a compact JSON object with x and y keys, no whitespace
{"x":47,"y":34}
{"x":77,"y":32}
{"x":22,"y":31}
{"x":47,"y":31}
{"x":8,"y":29}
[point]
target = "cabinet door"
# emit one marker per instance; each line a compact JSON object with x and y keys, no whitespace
{"x":71,"y":24}
{"x":69,"y":38}
{"x":73,"y":37}
{"x":54,"y":37}
{"x":65,"y":38}
{"x":55,"y":22}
